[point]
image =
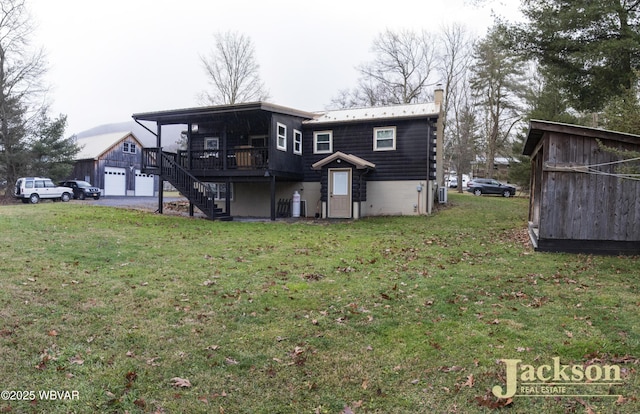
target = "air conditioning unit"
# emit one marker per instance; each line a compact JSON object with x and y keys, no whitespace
{"x":442,"y":195}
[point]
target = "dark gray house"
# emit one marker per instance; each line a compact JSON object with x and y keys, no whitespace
{"x":243,"y":159}
{"x":582,"y":199}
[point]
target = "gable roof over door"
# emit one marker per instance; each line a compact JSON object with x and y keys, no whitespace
{"x":360,"y":164}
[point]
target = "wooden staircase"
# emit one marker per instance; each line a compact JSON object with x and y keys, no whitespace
{"x":195,"y":190}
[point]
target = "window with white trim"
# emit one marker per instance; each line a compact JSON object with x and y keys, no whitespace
{"x":297,"y":142}
{"x":220,"y":190}
{"x":323,"y":142}
{"x":281,"y":141}
{"x":129,"y":148}
{"x":212,"y":143}
{"x":384,"y":139}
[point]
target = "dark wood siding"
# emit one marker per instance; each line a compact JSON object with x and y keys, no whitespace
{"x":284,"y":161}
{"x":83,"y":169}
{"x":408,"y":161}
{"x":358,"y":181}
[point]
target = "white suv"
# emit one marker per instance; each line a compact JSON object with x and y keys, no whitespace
{"x":32,"y":189}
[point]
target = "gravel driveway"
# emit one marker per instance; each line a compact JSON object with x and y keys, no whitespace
{"x":140,"y":203}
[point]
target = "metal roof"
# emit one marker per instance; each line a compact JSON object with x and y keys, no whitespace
{"x":95,"y":146}
{"x":377,"y":112}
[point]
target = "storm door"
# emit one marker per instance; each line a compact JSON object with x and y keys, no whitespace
{"x":339,"y":193}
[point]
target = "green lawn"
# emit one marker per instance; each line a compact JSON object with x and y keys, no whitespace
{"x":135,"y":312}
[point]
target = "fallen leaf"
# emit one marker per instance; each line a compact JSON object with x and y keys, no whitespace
{"x":76,"y":360}
{"x":152,"y":361}
{"x":347,"y":410}
{"x":470,"y":381}
{"x":454,"y":368}
{"x":52,"y":332}
{"x":230,"y":361}
{"x":569,"y":334}
{"x":180,"y":382}
{"x":488,"y":400}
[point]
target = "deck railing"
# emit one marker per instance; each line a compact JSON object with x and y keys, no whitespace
{"x":239,"y":158}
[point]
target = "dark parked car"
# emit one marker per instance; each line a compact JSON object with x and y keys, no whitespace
{"x":82,"y":189}
{"x":481,"y":186}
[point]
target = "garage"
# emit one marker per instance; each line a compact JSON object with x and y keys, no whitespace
{"x":115,"y":181}
{"x":144,"y":184}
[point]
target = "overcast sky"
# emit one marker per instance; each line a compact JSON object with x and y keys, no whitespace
{"x":110,"y":59}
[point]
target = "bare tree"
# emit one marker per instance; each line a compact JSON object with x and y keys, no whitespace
{"x":498,"y":84}
{"x":22,"y":93}
{"x":459,"y":118}
{"x":401,"y":72}
{"x":233,"y":71}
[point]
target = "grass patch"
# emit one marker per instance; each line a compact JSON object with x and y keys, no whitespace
{"x":140,"y":312}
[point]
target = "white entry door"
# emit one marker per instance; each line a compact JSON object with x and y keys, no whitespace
{"x":115,"y":181}
{"x":340,"y":193}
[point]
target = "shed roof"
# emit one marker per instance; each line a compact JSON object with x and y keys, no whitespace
{"x":95,"y":146}
{"x":537,"y":128}
{"x":186,"y":115}
{"x":377,"y":112}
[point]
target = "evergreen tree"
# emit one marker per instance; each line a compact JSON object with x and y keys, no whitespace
{"x":591,"y":47}
{"x":51,"y":154}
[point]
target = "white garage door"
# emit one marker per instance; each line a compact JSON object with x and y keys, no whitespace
{"x":144,"y":184}
{"x":115,"y":181}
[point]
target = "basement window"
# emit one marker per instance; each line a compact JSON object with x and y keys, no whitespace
{"x":220,"y":190}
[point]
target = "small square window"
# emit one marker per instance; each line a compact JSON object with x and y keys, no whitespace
{"x":282,"y":137}
{"x":212,"y":144}
{"x":297,"y":142}
{"x":384,"y":139}
{"x":323,"y":142}
{"x":129,"y":148}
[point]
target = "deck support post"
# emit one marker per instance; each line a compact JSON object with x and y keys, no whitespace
{"x":159,"y":158}
{"x":273,"y":198}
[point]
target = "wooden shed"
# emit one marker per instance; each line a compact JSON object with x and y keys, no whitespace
{"x":583,"y":199}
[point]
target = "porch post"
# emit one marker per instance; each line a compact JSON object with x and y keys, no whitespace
{"x":227,"y":200}
{"x":273,"y":198}
{"x":189,"y":131}
{"x":161,"y":183}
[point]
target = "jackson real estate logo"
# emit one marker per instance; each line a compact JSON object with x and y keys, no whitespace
{"x":557,"y":380}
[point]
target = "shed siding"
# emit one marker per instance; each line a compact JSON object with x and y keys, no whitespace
{"x":581,"y":205}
